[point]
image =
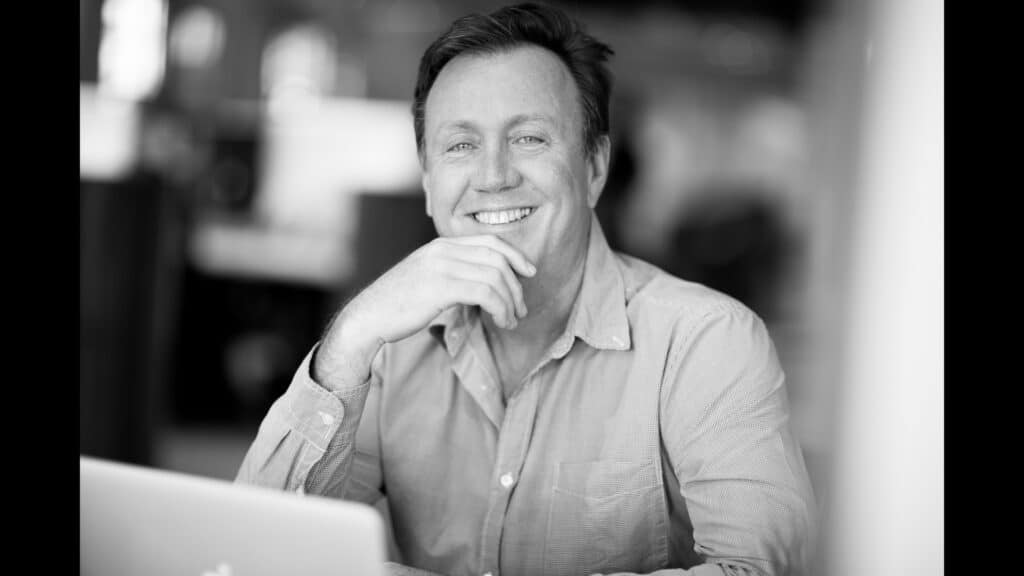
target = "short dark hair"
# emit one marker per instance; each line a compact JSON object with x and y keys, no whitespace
{"x":523,"y":25}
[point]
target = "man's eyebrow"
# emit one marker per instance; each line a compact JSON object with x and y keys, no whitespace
{"x":459,"y":125}
{"x":513,"y":121}
{"x":524,"y":118}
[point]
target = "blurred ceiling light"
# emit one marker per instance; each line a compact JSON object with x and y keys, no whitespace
{"x":132,"y":47}
{"x":300,"y":62}
{"x":197,"y":37}
{"x":108,"y":131}
{"x":771,"y":130}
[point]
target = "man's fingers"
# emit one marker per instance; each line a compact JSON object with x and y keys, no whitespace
{"x":496,"y":279}
{"x":515,"y":257}
{"x":488,"y":259}
{"x":516,"y":289}
{"x":492,"y":261}
{"x":487,"y":297}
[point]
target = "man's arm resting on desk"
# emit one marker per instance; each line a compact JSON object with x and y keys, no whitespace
{"x":701,"y":570}
{"x":725,"y":424}
{"x":393,"y":569}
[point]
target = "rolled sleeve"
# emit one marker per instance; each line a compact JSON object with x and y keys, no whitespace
{"x":311,"y":410}
{"x":299,"y":429}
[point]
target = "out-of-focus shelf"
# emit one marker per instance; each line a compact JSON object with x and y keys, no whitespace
{"x":252,"y":250}
{"x":211,"y":452}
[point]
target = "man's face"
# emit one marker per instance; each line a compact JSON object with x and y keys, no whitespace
{"x":504,"y":155}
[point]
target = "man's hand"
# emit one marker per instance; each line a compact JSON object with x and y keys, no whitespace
{"x":472,"y":270}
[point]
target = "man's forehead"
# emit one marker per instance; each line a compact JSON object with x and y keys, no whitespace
{"x":527,"y":83}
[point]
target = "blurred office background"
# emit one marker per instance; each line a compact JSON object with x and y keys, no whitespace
{"x":247,"y":165}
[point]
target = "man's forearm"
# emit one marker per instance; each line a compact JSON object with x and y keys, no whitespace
{"x":730,"y":569}
{"x":394,"y":569}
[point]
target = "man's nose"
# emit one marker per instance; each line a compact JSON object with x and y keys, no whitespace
{"x":496,"y":171}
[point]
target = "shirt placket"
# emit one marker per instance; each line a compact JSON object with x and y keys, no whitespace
{"x":513,"y":442}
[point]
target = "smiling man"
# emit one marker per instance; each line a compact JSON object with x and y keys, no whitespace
{"x":529,"y":401}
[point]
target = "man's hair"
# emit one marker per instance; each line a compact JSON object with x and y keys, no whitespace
{"x":524,"y":25}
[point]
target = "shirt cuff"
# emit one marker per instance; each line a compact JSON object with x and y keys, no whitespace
{"x":312,"y":410}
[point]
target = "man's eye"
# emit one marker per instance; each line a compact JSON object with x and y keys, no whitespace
{"x":529,"y":140}
{"x":460,"y":147}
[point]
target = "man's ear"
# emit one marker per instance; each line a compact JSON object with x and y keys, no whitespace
{"x":597,"y":169}
{"x":426,"y":192}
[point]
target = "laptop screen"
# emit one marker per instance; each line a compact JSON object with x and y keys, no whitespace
{"x":136,"y":520}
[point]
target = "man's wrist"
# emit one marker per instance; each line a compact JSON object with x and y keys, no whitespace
{"x":344,"y":356}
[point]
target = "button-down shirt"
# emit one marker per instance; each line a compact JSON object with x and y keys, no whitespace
{"x":654,"y":434}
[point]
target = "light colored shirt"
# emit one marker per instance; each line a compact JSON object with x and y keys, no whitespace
{"x":655,"y":434}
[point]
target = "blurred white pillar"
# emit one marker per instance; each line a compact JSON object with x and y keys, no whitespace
{"x":888,"y":498}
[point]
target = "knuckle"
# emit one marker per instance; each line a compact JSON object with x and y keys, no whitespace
{"x":497,"y":259}
{"x":482,"y":252}
{"x":492,"y":292}
{"x":482,"y":291}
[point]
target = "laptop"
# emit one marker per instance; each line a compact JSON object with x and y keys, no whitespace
{"x":136,"y":520}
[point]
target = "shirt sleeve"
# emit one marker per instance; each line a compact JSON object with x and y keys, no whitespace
{"x":702,"y":570}
{"x":307,"y":440}
{"x":725,"y":421}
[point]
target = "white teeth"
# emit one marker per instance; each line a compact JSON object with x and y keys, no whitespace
{"x":502,"y":216}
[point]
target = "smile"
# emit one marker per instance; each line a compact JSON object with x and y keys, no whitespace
{"x":494,"y":217}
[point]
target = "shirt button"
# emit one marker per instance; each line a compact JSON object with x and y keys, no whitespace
{"x":326,"y":418}
{"x":507,"y":480}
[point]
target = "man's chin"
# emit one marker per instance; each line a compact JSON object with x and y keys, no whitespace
{"x":521,"y":241}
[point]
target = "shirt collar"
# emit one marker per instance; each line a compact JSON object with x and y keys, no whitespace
{"x":451,"y":327}
{"x":598,"y":315}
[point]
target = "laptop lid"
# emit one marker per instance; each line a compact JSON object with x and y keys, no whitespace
{"x":136,"y":520}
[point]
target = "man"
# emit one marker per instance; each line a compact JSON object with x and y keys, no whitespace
{"x":529,"y":401}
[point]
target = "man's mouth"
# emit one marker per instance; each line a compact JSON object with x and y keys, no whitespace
{"x":494,"y":217}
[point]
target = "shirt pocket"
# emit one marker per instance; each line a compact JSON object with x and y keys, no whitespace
{"x":605,"y":516}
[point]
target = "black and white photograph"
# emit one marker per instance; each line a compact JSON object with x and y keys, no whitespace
{"x":500,"y":288}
